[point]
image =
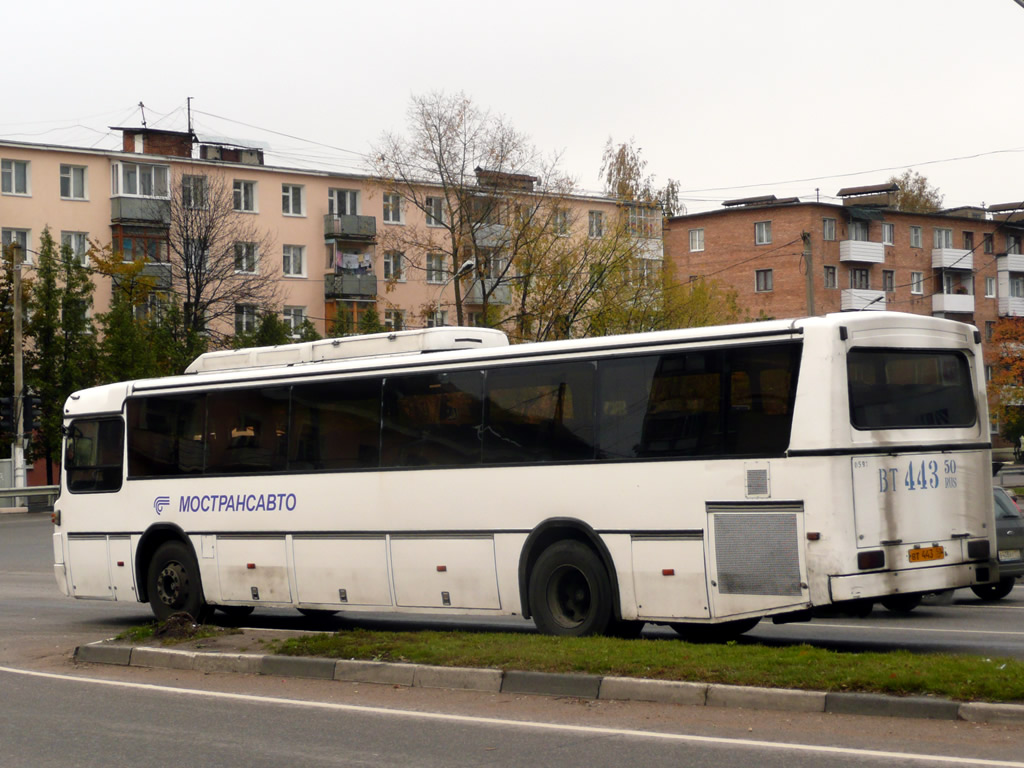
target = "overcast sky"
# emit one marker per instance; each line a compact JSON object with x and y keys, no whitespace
{"x":733,"y":98}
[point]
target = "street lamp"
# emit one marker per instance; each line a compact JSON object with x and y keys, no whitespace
{"x":18,"y":447}
{"x":467,"y":266}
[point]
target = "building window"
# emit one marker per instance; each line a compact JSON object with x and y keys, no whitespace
{"x":394,"y":319}
{"x":860,"y":279}
{"x":990,"y":287}
{"x":342,"y":202}
{"x":19,"y":236}
{"x":830,"y":277}
{"x":859,"y":230}
{"x":968,"y":241}
{"x":595,"y":223}
{"x":917,"y":282}
{"x":887,"y":233}
{"x":696,"y":240}
{"x":560,"y":222}
{"x":762,"y":233}
{"x":643,"y":220}
{"x":393,"y":266}
{"x":245,"y":318}
{"x":245,"y":196}
{"x":140,"y":180}
{"x":943,"y":238}
{"x":987,"y":243}
{"x":888,"y":280}
{"x":437,"y":319}
{"x":435,"y":268}
{"x":763,"y":280}
{"x":1012,"y":244}
{"x":1017,"y":287}
{"x":78,"y":243}
{"x":294,"y":261}
{"x":291,"y":200}
{"x":14,"y":176}
{"x":245,"y":258}
{"x":990,"y":329}
{"x":193,"y":191}
{"x":434,"y":208}
{"x":915,"y":237}
{"x":828,"y":229}
{"x":294,"y":317}
{"x":989,"y":370}
{"x":72,"y":182}
{"x":392,"y":208}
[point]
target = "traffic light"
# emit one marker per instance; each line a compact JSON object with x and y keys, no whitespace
{"x":7,"y":415}
{"x":30,"y":419}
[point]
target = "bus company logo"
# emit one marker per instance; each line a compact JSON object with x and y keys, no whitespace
{"x":160,"y":503}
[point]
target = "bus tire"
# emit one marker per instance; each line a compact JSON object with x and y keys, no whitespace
{"x":714,"y":633}
{"x":900,"y":603}
{"x":173,"y":583}
{"x":570,"y":592}
{"x":996,"y":591}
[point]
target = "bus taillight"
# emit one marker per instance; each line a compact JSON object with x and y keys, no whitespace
{"x":871,"y":559}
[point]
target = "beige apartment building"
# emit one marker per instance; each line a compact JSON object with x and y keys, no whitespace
{"x":788,"y":258}
{"x":334,"y":239}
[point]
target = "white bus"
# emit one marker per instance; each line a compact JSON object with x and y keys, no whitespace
{"x":702,"y":478}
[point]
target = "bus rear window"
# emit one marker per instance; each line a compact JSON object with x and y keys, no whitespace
{"x":908,"y":389}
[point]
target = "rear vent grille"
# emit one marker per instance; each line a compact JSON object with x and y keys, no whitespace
{"x":757,"y":553}
{"x":757,"y":482}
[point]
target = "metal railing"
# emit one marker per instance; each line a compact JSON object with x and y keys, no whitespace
{"x":37,"y":498}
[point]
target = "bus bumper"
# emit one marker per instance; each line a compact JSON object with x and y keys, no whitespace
{"x":912,"y":580}
{"x":62,"y":579}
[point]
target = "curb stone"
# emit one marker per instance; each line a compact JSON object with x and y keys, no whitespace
{"x":548,"y":684}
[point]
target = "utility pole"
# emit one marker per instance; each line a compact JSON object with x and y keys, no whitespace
{"x":18,"y":447}
{"x":809,"y":269}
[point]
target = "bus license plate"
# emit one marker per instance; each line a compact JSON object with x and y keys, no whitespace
{"x":926,"y":553}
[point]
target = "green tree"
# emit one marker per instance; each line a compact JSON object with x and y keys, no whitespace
{"x":7,"y":330}
{"x":177,"y":343}
{"x":127,"y":349}
{"x":63,"y":357}
{"x":916,"y":194}
{"x":270,"y":331}
{"x":369,"y":322}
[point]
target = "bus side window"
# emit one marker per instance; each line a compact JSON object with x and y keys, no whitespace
{"x":93,"y":455}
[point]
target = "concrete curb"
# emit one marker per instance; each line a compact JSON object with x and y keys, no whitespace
{"x":546,"y":684}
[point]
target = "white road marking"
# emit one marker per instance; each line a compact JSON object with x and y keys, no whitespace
{"x":903,"y":628}
{"x":495,"y":721}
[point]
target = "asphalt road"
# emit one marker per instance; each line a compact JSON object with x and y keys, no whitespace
{"x":53,"y":712}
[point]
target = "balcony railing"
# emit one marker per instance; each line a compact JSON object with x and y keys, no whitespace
{"x":1011,"y":306}
{"x":862,"y":250}
{"x":349,"y":227}
{"x":861,"y":299}
{"x":953,"y":302}
{"x":143,"y":209}
{"x":952,"y":258}
{"x":500,"y":292}
{"x":346,"y":285}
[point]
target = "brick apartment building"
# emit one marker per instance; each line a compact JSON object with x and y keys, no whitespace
{"x":788,"y":258}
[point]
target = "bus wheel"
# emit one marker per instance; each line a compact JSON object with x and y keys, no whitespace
{"x":714,"y":633}
{"x":173,"y":583}
{"x":900,"y":603}
{"x":996,"y":591}
{"x":570,"y":593}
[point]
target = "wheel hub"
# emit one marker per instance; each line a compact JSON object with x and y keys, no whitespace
{"x":169,"y":584}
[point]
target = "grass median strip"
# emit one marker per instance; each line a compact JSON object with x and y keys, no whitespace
{"x":964,"y":678}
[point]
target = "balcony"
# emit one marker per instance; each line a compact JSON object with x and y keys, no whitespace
{"x":952,"y":302}
{"x":856,"y":299}
{"x":1011,"y":306}
{"x":952,"y":258}
{"x":362,"y":228}
{"x":157,"y":271}
{"x":501,"y":293}
{"x":148,"y":210}
{"x":862,"y":250}
{"x":491,"y":235}
{"x":350,"y":285}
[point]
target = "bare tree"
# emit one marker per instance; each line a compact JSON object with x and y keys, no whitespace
{"x":486,"y":194}
{"x":219,"y":259}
